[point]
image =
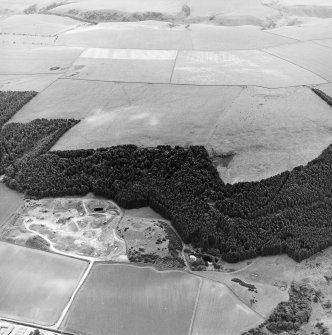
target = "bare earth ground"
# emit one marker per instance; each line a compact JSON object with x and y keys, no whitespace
{"x":70,"y":226}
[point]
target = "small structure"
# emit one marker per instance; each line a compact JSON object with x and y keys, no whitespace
{"x":192,"y":258}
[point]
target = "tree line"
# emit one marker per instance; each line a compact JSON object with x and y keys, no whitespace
{"x":288,"y":316}
{"x":287,"y":213}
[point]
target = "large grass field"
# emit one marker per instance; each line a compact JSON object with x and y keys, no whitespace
{"x":272,"y":277}
{"x":267,"y":131}
{"x":219,"y":311}
{"x":34,"y":285}
{"x":124,"y":299}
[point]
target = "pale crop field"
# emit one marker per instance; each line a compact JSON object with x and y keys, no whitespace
{"x":35,"y":286}
{"x":124,"y":299}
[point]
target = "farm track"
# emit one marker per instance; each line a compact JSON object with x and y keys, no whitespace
{"x":55,"y":328}
{"x":92,"y":261}
{"x":195,"y":308}
{"x":81,"y":282}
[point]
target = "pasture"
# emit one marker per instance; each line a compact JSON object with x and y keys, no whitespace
{"x":155,"y":35}
{"x":311,"y":29}
{"x":124,"y":299}
{"x":28,"y":82}
{"x":152,"y":35}
{"x":27,"y":59}
{"x":308,"y":55}
{"x":219,"y":311}
{"x":191,"y":67}
{"x":37,"y":24}
{"x":267,"y":131}
{"x":35,"y":286}
{"x":122,"y":65}
{"x":238,"y":67}
{"x":272,"y":277}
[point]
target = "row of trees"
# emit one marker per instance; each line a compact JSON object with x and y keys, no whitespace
{"x":288,"y":213}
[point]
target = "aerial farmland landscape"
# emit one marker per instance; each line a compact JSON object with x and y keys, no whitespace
{"x":166,"y":167}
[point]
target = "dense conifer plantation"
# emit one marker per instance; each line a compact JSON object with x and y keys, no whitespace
{"x":288,"y":213}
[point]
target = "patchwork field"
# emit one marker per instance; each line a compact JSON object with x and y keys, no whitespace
{"x":209,"y":37}
{"x":71,"y":226}
{"x":151,"y":35}
{"x":180,"y":57}
{"x":234,"y":76}
{"x":122,"y":65}
{"x":310,"y":29}
{"x":35,"y":286}
{"x":121,"y":299}
{"x":236,"y":67}
{"x":264,"y":132}
{"x":250,"y":67}
{"x":156,"y":35}
{"x":160,"y":303}
{"x":36,"y":60}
